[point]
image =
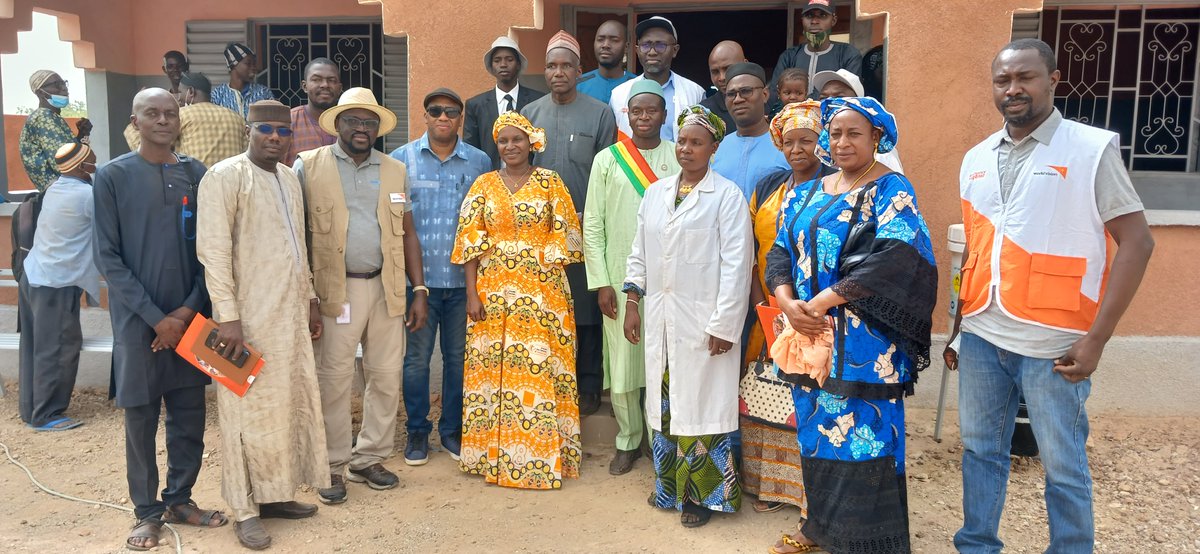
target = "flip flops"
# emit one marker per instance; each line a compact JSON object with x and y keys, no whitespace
{"x":60,"y":424}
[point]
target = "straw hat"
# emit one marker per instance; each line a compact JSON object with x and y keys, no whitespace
{"x":358,"y":97}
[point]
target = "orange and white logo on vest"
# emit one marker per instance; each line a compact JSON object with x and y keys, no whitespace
{"x":1042,"y":255}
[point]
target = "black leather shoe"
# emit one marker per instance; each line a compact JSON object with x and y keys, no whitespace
{"x":589,"y":404}
{"x":622,"y":463}
{"x":375,"y":476}
{"x":286,"y":510}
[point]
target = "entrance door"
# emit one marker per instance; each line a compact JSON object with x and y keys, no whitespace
{"x":763,"y":34}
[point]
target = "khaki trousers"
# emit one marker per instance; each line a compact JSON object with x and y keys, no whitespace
{"x":383,"y":340}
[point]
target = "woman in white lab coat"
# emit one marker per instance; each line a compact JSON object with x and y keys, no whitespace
{"x":691,"y":262}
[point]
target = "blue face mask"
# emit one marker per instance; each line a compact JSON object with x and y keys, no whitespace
{"x":59,"y":101}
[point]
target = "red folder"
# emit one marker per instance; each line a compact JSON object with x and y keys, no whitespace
{"x":193,"y":349}
{"x":770,"y":317}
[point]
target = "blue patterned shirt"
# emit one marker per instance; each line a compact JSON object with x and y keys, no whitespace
{"x":239,"y":101}
{"x":437,"y":189}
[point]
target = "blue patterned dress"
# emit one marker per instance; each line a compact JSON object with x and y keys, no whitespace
{"x":851,"y":428}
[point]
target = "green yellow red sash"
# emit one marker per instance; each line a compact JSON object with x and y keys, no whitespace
{"x":631,"y":161}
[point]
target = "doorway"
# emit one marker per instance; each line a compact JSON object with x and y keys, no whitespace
{"x":763,"y":34}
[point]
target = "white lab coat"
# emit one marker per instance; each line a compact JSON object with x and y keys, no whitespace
{"x":694,"y":264}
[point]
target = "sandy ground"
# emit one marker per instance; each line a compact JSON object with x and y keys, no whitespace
{"x":1147,"y":499}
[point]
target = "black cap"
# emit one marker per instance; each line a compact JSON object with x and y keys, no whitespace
{"x":656,"y":22}
{"x":823,"y":5}
{"x":746,"y":68}
{"x":197,"y":81}
{"x":442,"y":92}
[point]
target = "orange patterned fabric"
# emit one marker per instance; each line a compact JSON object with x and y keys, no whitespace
{"x":520,"y":399}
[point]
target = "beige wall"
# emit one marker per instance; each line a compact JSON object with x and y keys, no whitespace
{"x":941,"y":96}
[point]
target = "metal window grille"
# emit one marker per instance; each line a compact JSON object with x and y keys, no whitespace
{"x":1133,"y":71}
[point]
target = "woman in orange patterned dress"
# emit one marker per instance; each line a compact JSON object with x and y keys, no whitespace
{"x":517,"y":231}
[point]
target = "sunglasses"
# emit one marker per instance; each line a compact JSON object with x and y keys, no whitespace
{"x":266,"y":129}
{"x":437,"y":111}
{"x":356,"y":123}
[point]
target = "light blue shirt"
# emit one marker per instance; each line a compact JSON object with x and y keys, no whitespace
{"x":600,"y":87}
{"x":436,"y":192}
{"x":747,"y":160}
{"x":62,"y":246}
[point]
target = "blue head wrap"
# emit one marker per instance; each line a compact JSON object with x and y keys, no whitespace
{"x":870,"y":108}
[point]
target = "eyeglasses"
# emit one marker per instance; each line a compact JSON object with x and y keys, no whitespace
{"x":637,"y":113}
{"x":52,"y":84}
{"x":437,"y":111}
{"x":659,"y":47}
{"x":266,"y":129}
{"x":743,"y":92}
{"x":356,"y":123}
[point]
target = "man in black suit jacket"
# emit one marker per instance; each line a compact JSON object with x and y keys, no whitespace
{"x":504,"y":61}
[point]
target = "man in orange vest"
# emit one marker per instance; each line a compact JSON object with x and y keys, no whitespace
{"x":1039,"y":301}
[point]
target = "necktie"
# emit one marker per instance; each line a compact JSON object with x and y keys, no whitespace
{"x":508,"y":103}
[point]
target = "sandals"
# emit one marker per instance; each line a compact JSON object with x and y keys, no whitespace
{"x":190,"y":514}
{"x":60,"y":424}
{"x":148,"y":528}
{"x":796,"y":547}
{"x":701,"y":514}
{"x":765,"y":507}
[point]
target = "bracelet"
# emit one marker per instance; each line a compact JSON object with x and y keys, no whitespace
{"x":631,"y":301}
{"x":421,"y":288}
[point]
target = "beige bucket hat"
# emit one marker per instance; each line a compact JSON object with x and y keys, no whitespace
{"x":353,"y":98}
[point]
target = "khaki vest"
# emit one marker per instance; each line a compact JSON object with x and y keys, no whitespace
{"x":329,"y":219}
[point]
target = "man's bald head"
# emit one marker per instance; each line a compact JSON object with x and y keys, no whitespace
{"x":723,"y":55}
{"x":156,"y":116}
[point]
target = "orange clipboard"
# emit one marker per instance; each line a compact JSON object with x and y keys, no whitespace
{"x":770,"y":317}
{"x":206,"y":360}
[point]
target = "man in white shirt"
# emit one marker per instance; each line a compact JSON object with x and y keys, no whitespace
{"x":505,"y":62}
{"x":657,"y":46}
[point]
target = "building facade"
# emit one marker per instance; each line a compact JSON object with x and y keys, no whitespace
{"x":1131,"y":68}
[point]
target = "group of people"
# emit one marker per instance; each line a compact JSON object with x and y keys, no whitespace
{"x":511,"y":245}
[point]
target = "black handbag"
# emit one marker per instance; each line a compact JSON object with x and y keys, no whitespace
{"x":859,"y":239}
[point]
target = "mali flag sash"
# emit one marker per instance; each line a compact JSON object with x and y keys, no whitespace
{"x":631,"y":161}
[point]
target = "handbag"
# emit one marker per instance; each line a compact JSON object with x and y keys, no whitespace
{"x":764,"y":398}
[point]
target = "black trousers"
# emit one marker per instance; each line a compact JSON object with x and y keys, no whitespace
{"x":50,"y":341}
{"x":185,"y":448}
{"x":589,"y":358}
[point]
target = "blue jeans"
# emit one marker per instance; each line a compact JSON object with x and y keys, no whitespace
{"x":447,"y":313}
{"x":990,"y":381}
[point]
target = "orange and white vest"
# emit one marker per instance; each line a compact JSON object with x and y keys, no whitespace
{"x":1046,"y":252}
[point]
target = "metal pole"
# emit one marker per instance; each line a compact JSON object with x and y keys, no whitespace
{"x":941,"y":409}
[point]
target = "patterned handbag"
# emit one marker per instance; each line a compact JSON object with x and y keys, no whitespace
{"x":765,"y":398}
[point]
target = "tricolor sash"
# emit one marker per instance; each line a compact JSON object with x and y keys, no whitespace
{"x":631,"y":161}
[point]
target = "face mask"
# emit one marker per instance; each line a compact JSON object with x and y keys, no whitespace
{"x":818,"y":38}
{"x":59,"y":101}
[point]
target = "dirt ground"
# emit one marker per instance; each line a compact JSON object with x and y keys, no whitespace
{"x":1146,"y":481}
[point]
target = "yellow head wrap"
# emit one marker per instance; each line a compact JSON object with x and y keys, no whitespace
{"x":537,"y":136}
{"x":797,"y":115}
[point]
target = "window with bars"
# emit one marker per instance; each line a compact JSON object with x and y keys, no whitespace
{"x":1133,"y":71}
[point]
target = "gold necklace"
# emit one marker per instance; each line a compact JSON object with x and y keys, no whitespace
{"x":506,"y":177}
{"x":842,"y":174}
